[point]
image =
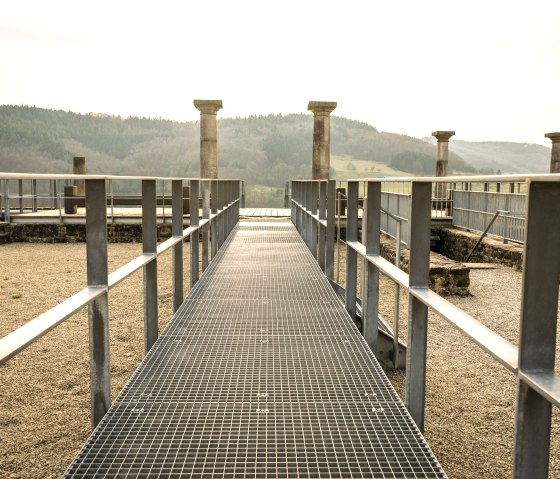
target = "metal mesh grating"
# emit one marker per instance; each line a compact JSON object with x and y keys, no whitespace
{"x":261,"y":374}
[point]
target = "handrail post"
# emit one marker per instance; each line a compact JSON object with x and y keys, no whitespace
{"x":193,"y":187}
{"x":351,"y":255}
{"x":214,"y":221}
{"x":329,"y":247}
{"x":149,"y":246}
{"x":313,"y":211}
{"x":221,"y":217}
{"x":293,"y":211}
{"x":98,"y":309}
{"x":205,"y":215}
{"x":6,"y":200}
{"x":373,"y":247}
{"x":419,"y":244}
{"x":34,"y":201}
{"x":308,"y":219}
{"x":20,"y":192}
{"x":537,"y":337}
{"x":322,"y":215}
{"x":177,"y":231}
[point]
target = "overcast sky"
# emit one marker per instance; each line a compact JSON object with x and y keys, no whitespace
{"x":488,"y":69}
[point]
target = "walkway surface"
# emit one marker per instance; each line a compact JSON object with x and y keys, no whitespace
{"x":260,"y":374}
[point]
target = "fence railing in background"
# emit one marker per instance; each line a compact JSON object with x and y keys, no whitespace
{"x":474,"y":209}
{"x":220,"y":200}
{"x":532,"y":363}
{"x":22,"y":195}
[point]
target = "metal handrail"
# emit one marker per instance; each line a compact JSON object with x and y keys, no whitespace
{"x":221,"y":217}
{"x":538,"y":385}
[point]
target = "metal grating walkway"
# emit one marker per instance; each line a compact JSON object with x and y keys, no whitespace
{"x":260,"y":374}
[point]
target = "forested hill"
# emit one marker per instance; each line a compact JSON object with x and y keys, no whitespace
{"x":260,"y":149}
{"x":265,"y":151}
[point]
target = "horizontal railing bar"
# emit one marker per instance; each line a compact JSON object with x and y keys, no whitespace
{"x":501,"y":349}
{"x":387,"y":268}
{"x":129,"y":268}
{"x":464,"y":179}
{"x":491,"y":342}
{"x":30,"y":332}
{"x":546,"y":383}
{"x":54,"y":176}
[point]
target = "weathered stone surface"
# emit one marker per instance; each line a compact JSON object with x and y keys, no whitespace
{"x":457,"y":244}
{"x":447,"y":277}
{"x":56,"y":233}
{"x":321,"y":137}
{"x":208,"y":137}
{"x":555,"y":153}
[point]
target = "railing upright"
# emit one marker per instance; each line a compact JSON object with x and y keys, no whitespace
{"x":6,"y":200}
{"x":177,"y":232}
{"x":98,"y":309}
{"x":205,"y":216}
{"x":149,"y":247}
{"x":537,"y":344}
{"x":329,"y":247}
{"x":420,"y":221}
{"x":373,"y":247}
{"x":313,"y":230}
{"x":214,"y":221}
{"x":322,"y":215}
{"x":193,"y":188}
{"x":351,"y":255}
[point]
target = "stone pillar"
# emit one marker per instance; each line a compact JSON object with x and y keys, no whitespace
{"x":442,"y":161}
{"x":208,"y":137}
{"x":80,"y":169}
{"x":555,"y":154}
{"x":321,"y":137}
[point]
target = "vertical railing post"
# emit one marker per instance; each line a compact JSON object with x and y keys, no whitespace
{"x":193,"y":184}
{"x":322,"y":215}
{"x":6,"y":200}
{"x":292,"y":206}
{"x":329,"y":233}
{"x":34,"y":202}
{"x":98,"y":309}
{"x":177,"y":231}
{"x":419,"y":267}
{"x":314,"y":225}
{"x":372,"y":243}
{"x":205,"y":215}
{"x":308,"y":209}
{"x":351,"y":255}
{"x":149,"y":247}
{"x":214,"y":221}
{"x":295,"y":209}
{"x":221,"y":218}
{"x":537,"y":338}
{"x":20,"y":193}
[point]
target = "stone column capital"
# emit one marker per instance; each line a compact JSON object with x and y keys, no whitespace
{"x":443,"y":135}
{"x":323,"y":108}
{"x":554,"y":136}
{"x":208,"y":107}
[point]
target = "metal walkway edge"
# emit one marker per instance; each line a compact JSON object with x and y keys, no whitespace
{"x":260,"y":374}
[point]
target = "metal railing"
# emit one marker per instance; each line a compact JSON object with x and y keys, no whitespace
{"x":22,"y":195}
{"x":475,"y":205}
{"x":220,"y":213}
{"x":538,"y":385}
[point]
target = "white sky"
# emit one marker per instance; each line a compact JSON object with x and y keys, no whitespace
{"x":488,"y":69}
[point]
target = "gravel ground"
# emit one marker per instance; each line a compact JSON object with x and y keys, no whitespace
{"x":44,"y":397}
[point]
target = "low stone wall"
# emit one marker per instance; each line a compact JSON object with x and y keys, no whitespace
{"x":457,"y":244}
{"x":447,"y":277}
{"x":67,"y":233}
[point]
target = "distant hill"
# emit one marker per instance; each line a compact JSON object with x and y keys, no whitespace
{"x":502,"y":156}
{"x":265,"y":151}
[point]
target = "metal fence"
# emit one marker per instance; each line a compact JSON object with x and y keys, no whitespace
{"x":220,"y":213}
{"x":23,"y":196}
{"x":474,"y":210}
{"x":532,"y":363}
